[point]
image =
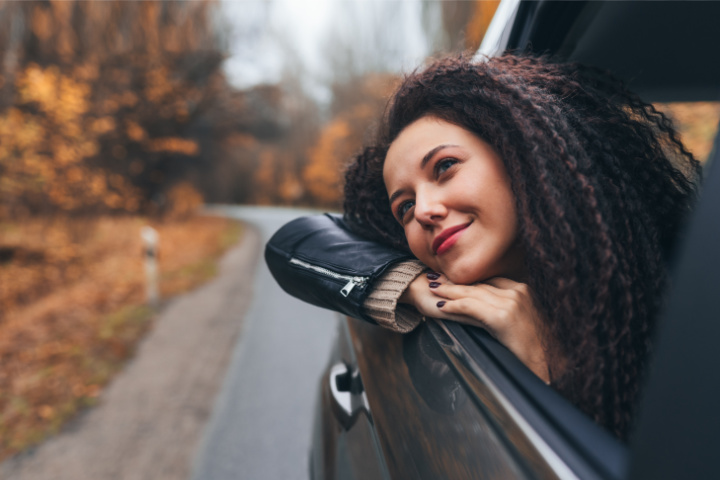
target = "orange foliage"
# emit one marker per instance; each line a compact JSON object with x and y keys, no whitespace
{"x":241,"y":140}
{"x":359,"y":105}
{"x":70,"y":302}
{"x":275,"y":180}
{"x":479,"y":22}
{"x":45,"y":139}
{"x":96,"y":89}
{"x":264,"y":177}
{"x":322,"y":174}
{"x":697,"y":123}
{"x":184,"y":200}
{"x":135,"y":132}
{"x":174,"y":145}
{"x":290,"y":188}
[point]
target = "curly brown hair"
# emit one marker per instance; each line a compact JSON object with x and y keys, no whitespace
{"x":602,"y":185}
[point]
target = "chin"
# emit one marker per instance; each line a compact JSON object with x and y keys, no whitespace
{"x":465,"y":278}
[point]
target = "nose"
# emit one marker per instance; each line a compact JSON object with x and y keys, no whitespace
{"x":429,"y":207}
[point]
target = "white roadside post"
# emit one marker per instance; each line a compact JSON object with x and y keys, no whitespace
{"x":150,"y":246}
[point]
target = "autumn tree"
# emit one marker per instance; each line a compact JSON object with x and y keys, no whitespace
{"x":108,"y":106}
{"x":478,"y":22}
{"x":457,"y":25}
{"x":357,"y":105}
{"x":257,"y":122}
{"x":279,"y":160}
{"x":360,"y":89}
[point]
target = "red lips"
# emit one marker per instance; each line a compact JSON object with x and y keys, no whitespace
{"x":447,"y":238}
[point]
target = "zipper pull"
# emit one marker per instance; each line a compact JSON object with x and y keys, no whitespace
{"x":350,"y":285}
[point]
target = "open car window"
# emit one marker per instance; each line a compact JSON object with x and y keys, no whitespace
{"x":696,"y":122}
{"x":676,"y":435}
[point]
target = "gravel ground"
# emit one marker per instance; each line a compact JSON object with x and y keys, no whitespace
{"x":150,"y":419}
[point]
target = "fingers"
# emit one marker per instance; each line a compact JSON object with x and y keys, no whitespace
{"x":494,"y":304}
{"x":486,"y":293}
{"x":498,"y":292}
{"x":427,"y":304}
{"x":499,"y":286}
{"x":503,"y":307}
{"x":510,"y":288}
{"x":500,"y":283}
{"x":470,"y":311}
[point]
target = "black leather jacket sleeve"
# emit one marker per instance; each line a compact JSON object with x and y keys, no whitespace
{"x":318,"y":260}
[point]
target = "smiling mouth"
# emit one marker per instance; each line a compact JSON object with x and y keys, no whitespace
{"x":447,"y":238}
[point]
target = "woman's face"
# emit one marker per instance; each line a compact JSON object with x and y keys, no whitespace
{"x":450,"y":192}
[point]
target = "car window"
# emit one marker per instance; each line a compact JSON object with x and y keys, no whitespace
{"x":677,"y":429}
{"x":697,"y":123}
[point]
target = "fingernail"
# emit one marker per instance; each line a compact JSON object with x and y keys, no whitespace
{"x":433,"y":275}
{"x":434,"y":284}
{"x":441,"y":303}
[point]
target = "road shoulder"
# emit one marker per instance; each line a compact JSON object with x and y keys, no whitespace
{"x":151,"y":417}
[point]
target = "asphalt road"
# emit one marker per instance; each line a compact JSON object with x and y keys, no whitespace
{"x":260,"y":426}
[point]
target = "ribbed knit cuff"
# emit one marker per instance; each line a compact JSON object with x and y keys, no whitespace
{"x":381,"y":304}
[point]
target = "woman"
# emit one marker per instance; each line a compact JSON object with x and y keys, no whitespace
{"x":546,"y":200}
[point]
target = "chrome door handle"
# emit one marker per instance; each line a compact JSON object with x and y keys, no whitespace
{"x":347,"y":394}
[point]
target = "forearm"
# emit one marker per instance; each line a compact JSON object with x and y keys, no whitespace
{"x":318,"y":260}
{"x":382,"y":303}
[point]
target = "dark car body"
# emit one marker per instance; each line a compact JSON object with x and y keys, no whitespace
{"x":447,"y":401}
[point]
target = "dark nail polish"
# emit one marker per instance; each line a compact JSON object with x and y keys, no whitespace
{"x":441,"y":303}
{"x":434,"y":284}
{"x":433,"y":275}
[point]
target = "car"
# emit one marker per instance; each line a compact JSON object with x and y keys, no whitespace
{"x":448,"y":401}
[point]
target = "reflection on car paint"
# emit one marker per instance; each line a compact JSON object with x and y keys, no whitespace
{"x":425,"y":432}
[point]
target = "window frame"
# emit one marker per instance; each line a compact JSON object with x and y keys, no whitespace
{"x":548,"y":433}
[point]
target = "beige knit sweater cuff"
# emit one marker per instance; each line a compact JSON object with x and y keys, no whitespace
{"x":381,"y":304}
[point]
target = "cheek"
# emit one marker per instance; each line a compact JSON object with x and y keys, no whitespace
{"x":416,"y":242}
{"x":511,"y":219}
{"x":501,"y":208}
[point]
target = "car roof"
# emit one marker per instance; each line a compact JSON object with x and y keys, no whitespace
{"x":665,"y":51}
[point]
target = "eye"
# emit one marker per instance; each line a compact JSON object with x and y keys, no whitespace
{"x":444,"y":165}
{"x":404,"y":208}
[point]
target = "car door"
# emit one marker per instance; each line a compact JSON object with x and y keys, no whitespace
{"x":411,"y":417}
{"x":448,"y":401}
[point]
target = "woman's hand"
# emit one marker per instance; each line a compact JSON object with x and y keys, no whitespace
{"x":501,"y":306}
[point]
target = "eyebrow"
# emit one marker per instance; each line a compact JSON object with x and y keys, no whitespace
{"x":432,"y":153}
{"x":429,"y":155}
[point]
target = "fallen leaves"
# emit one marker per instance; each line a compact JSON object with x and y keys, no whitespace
{"x":71,"y":303}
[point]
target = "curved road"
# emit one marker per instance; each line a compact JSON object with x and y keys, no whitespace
{"x":162,"y":417}
{"x":260,"y":427}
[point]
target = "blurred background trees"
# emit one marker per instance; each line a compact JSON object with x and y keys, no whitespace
{"x":112,"y":106}
{"x":362,"y":51}
{"x":115,"y":106}
{"x":118,"y":106}
{"x":103,"y":103}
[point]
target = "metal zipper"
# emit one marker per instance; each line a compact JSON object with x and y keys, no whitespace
{"x":352,"y":281}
